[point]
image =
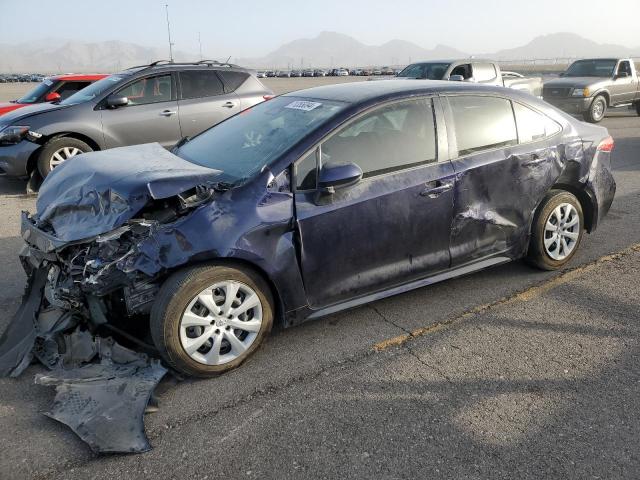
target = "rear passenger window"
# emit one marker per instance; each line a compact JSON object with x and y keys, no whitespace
{"x":483,"y":72}
{"x":232,"y":80}
{"x":482,"y":123}
{"x":389,"y":138}
{"x":200,"y":83}
{"x":532,"y":125}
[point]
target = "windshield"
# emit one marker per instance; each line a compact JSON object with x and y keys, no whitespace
{"x":242,"y":145}
{"x":426,"y":71}
{"x":591,"y":68}
{"x":92,"y":91}
{"x":34,"y":95}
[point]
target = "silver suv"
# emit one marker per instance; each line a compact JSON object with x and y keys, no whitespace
{"x":161,"y":102}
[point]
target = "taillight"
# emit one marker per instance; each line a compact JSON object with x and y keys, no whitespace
{"x":606,"y":145}
{"x":268,"y":97}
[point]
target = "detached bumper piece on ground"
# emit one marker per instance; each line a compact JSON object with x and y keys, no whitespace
{"x":102,"y":388}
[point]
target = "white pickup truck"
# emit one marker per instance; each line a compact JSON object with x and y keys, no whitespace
{"x":477,"y":71}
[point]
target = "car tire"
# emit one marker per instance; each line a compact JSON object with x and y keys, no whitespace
{"x":637,"y":105}
{"x":556,"y":231}
{"x":57,"y":150}
{"x":182,"y":302}
{"x":597,"y":109}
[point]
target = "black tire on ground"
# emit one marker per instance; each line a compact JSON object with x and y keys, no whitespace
{"x":174,"y":296}
{"x":637,"y":105}
{"x":54,"y":145}
{"x":597,"y":109}
{"x":537,"y":254}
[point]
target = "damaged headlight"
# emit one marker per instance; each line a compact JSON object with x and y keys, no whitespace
{"x":580,"y":92}
{"x":13,"y":134}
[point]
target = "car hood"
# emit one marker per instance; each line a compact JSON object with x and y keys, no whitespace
{"x":576,"y":82}
{"x":10,"y":107}
{"x":97,"y":192}
{"x":27,"y":111}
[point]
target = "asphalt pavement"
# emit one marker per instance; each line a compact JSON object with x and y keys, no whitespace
{"x":507,"y":373}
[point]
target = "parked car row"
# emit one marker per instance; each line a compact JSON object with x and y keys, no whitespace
{"x":26,"y":77}
{"x":165,"y":102}
{"x":333,"y":72}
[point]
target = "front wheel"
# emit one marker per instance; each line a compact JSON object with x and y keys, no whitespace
{"x":597,"y":109}
{"x":58,"y":150}
{"x":208,"y":320}
{"x":556,"y":231}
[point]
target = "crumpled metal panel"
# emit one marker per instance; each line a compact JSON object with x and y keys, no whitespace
{"x":103,"y":402}
{"x":16,"y":343}
{"x":497,"y":194}
{"x":105,"y":189}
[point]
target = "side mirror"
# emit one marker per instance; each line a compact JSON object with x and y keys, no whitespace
{"x":621,"y":75}
{"x":115,"y":101}
{"x":334,"y":176}
{"x":52,"y":97}
{"x":456,"y":78}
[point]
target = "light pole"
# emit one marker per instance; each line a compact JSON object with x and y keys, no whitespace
{"x":166,"y":6}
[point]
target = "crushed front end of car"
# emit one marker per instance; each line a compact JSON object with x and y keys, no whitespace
{"x":94,"y":268}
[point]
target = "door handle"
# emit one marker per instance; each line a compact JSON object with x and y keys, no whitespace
{"x":168,"y":113}
{"x":435,"y":189}
{"x":229,"y":105}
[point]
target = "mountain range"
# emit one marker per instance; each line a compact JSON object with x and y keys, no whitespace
{"x":325,"y":50}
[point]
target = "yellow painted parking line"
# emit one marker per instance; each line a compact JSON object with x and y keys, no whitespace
{"x":523,"y":296}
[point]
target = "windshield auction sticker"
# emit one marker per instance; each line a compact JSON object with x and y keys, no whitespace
{"x":302,"y":105}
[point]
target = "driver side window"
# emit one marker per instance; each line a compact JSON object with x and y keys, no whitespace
{"x":624,"y":67}
{"x":149,"y":90}
{"x":389,"y":138}
{"x":464,"y":70}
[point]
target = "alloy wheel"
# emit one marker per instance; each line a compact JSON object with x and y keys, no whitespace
{"x":62,"y":154}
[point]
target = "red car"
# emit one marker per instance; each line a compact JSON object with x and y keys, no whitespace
{"x":52,"y":89}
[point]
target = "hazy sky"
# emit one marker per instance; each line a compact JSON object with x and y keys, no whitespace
{"x":253,"y":28}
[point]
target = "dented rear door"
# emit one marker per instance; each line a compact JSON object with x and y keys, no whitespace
{"x":502,"y":174}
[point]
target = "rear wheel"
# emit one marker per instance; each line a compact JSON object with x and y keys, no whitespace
{"x":637,"y":105}
{"x":208,"y":320}
{"x":556,"y":231}
{"x":58,"y":150}
{"x":597,"y":109}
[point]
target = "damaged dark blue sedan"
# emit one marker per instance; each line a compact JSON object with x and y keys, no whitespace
{"x":305,"y":205}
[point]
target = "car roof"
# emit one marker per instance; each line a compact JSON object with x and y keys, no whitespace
{"x":361,"y":92}
{"x":184,"y":66}
{"x":80,"y":76}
